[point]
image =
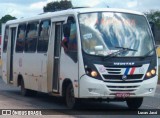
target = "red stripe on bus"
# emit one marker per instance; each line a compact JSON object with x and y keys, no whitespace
{"x":132,"y":71}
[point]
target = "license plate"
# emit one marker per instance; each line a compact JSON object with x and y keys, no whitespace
{"x":122,"y":95}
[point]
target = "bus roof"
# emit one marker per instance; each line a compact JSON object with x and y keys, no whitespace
{"x":71,"y":11}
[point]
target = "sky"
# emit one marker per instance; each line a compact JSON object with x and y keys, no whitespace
{"x":29,"y":8}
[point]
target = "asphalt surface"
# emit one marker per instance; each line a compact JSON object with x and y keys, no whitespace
{"x":10,"y":98}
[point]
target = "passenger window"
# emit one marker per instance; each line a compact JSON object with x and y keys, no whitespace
{"x":43,"y":36}
{"x":73,"y":38}
{"x":31,"y":37}
{"x":69,"y":42}
{"x":6,"y":39}
{"x":20,"y":38}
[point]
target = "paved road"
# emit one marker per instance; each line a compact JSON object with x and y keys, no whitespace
{"x":10,"y":98}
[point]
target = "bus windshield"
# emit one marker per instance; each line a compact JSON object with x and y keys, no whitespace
{"x":104,"y":33}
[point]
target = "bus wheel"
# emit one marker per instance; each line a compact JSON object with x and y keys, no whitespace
{"x":70,"y":99}
{"x":32,"y":93}
{"x":24,"y":91}
{"x":134,"y":103}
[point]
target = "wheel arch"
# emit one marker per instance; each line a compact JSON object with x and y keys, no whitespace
{"x":19,"y":79}
{"x":65,"y":83}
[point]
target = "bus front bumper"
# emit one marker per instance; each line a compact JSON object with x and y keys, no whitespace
{"x":93,"y":88}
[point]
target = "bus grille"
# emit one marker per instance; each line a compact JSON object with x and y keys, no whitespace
{"x":118,"y":78}
{"x":115,"y":75}
{"x":123,"y":88}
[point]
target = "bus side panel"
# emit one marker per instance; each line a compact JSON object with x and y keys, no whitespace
{"x":32,"y":67}
{"x":4,"y":67}
{"x":2,"y":54}
{"x":21,"y":68}
{"x":68,"y":70}
{"x":4,"y":57}
{"x":43,"y":73}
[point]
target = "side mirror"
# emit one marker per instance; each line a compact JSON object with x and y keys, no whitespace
{"x":157,"y":46}
{"x":158,"y":50}
{"x":66,"y":30}
{"x":152,"y":27}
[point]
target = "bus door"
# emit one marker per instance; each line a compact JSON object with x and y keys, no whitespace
{"x":56,"y":57}
{"x":12,"y":37}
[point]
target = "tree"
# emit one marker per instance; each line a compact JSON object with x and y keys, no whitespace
{"x":4,"y":19}
{"x":57,"y":6}
{"x":154,"y":16}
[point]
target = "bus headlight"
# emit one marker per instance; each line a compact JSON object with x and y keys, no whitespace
{"x":153,"y":72}
{"x":94,"y":73}
{"x":91,"y":72}
{"x":148,"y":74}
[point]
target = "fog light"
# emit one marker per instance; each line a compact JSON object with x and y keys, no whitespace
{"x":94,"y":74}
{"x":153,"y":72}
{"x":91,"y":89}
{"x":151,"y":89}
{"x":148,"y":74}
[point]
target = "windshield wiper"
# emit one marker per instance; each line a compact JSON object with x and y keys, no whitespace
{"x":122,"y":49}
{"x":149,"y":52}
{"x":126,"y":49}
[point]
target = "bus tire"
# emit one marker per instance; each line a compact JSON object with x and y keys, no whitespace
{"x":32,"y":93}
{"x":24,"y":91}
{"x":70,"y":99}
{"x":134,"y":103}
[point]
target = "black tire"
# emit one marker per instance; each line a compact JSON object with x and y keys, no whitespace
{"x":24,"y":91}
{"x":27,"y":92}
{"x":32,"y":93}
{"x":134,"y":103}
{"x":69,"y":97}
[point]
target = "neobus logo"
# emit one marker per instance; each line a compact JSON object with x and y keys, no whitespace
{"x":124,"y":64}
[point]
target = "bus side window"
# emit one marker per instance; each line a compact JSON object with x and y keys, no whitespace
{"x":43,"y":36}
{"x":69,"y":42}
{"x":5,"y":39}
{"x":20,"y":38}
{"x":31,"y":37}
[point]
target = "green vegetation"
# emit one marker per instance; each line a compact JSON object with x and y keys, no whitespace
{"x":154,"y":16}
{"x":57,"y":6}
{"x":4,"y":19}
